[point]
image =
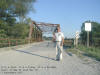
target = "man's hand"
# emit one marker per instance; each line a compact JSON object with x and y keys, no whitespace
{"x":61,"y":44}
{"x":53,"y":39}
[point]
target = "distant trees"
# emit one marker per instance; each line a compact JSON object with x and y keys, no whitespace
{"x":10,"y":12}
{"x":94,"y":34}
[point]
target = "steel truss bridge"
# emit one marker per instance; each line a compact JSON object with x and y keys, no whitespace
{"x":37,"y":29}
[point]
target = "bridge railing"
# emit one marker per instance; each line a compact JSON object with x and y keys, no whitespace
{"x":68,"y":42}
{"x":14,"y":42}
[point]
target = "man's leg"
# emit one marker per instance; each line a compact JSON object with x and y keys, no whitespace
{"x":61,"y":50}
{"x":58,"y":51}
{"x":57,"y":55}
{"x":56,"y":48}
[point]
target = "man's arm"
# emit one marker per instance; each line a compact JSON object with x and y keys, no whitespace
{"x":62,"y":42}
{"x":53,"y":39}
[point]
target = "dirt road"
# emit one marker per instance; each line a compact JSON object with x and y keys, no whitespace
{"x":39,"y":59}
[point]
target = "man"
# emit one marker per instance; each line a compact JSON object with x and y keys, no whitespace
{"x":58,"y":38}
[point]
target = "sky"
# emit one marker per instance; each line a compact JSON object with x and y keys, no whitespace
{"x":70,"y":14}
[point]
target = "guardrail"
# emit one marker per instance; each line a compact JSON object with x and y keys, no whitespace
{"x":14,"y":42}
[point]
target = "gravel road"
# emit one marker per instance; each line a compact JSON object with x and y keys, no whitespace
{"x":39,"y":59}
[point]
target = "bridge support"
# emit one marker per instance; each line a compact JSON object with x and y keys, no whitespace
{"x":35,"y":34}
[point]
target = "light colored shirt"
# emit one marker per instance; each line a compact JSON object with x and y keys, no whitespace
{"x":58,"y":36}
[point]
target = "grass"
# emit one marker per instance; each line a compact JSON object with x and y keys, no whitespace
{"x":84,"y":51}
{"x":75,"y":51}
{"x":90,"y":51}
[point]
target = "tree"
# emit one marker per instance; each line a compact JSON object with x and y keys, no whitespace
{"x":3,"y":29}
{"x":9,"y":11}
{"x":96,"y":33}
{"x":20,"y":30}
{"x":15,"y":7}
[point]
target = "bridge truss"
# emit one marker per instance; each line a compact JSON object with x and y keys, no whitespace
{"x":37,"y":29}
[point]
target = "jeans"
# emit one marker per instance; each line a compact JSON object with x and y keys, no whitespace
{"x":59,"y":50}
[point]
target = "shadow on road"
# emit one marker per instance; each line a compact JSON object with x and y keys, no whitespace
{"x":65,"y":48}
{"x":36,"y":55}
{"x":70,"y":54}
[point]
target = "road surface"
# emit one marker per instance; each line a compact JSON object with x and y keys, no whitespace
{"x":39,"y":59}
